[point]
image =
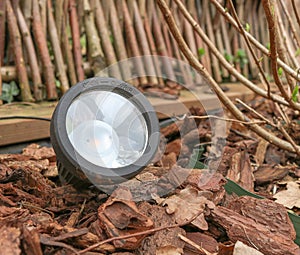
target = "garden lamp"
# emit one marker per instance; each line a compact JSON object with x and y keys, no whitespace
{"x":103,"y":131}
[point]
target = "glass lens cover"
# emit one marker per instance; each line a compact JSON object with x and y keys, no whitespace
{"x":106,"y":129}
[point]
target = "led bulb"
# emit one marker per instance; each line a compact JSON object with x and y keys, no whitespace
{"x":96,"y":141}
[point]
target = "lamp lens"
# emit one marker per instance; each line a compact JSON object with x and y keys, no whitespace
{"x":106,"y":129}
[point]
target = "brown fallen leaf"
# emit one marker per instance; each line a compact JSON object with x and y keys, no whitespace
{"x":241,"y":248}
{"x":119,"y":216}
{"x":187,"y":204}
{"x":261,"y":151}
{"x":241,"y":171}
{"x":290,"y":197}
{"x":268,"y":173}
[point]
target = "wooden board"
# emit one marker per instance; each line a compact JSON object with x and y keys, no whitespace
{"x":21,"y":130}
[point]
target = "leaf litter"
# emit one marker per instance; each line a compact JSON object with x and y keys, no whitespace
{"x":40,"y":214}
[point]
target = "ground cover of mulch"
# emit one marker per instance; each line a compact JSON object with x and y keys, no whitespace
{"x":168,"y":208}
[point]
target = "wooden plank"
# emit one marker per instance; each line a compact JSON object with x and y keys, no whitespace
{"x":21,"y":130}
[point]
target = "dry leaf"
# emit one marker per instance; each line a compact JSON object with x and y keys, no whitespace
{"x":290,"y":197}
{"x":169,"y":250}
{"x":241,"y":248}
{"x":261,"y":151}
{"x":188,"y":203}
{"x":119,"y":216}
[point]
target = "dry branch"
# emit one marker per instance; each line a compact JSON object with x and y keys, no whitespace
{"x":105,"y":38}
{"x":220,"y":93}
{"x":118,"y":40}
{"x":33,"y":62}
{"x":95,"y":52}
{"x":227,"y":64}
{"x":132,"y":42}
{"x":58,"y":57}
{"x":2,"y":30}
{"x":143,"y":43}
{"x":15,"y":39}
{"x":256,"y":43}
{"x":76,"y":39}
{"x":41,"y":44}
{"x":66,"y":48}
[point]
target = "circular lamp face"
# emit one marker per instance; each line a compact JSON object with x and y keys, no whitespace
{"x":106,"y":129}
{"x":103,"y":131}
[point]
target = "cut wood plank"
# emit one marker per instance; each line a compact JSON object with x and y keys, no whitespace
{"x":21,"y":130}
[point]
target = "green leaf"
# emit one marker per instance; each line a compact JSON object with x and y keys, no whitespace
{"x":297,"y":54}
{"x":57,"y":83}
{"x":295,"y":93}
{"x":228,"y":56}
{"x":201,"y":52}
{"x":195,"y":159}
{"x":83,"y":41}
{"x":9,"y":91}
{"x":268,"y":46}
{"x":247,"y":27}
{"x":280,"y":71}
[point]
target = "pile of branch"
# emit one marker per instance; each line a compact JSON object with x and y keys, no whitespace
{"x":284,"y":94}
{"x":49,"y":44}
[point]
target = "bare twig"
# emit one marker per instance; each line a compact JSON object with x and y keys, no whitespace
{"x":255,"y":112}
{"x":15,"y":38}
{"x":296,"y":12}
{"x":33,"y":62}
{"x":270,"y":10}
{"x":226,"y":119}
{"x":243,"y":32}
{"x":196,"y":246}
{"x":291,"y":24}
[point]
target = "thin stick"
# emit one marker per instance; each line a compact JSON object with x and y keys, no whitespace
{"x":291,"y":23}
{"x":42,"y":46}
{"x":255,"y":112}
{"x":108,"y":48}
{"x":76,"y":40}
{"x":270,"y":11}
{"x":242,"y":30}
{"x":66,"y":47}
{"x":33,"y":61}
{"x":296,"y":12}
{"x":119,"y":43}
{"x":196,"y":246}
{"x":58,"y":57}
{"x":15,"y":39}
{"x":226,"y":119}
{"x":2,"y":30}
{"x":133,"y":45}
{"x":95,"y":51}
{"x":143,"y":44}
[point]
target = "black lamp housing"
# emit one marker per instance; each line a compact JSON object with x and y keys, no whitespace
{"x":75,"y":169}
